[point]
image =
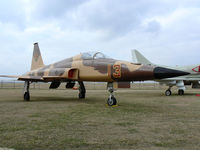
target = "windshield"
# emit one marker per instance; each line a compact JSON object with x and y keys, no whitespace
{"x":93,"y":55}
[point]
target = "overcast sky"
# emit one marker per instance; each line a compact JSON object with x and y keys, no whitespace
{"x":165,"y":31}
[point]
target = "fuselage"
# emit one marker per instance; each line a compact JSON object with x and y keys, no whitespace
{"x":97,"y":67}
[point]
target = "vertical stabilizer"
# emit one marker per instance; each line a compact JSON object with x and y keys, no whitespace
{"x":139,"y":58}
{"x":37,"y":61}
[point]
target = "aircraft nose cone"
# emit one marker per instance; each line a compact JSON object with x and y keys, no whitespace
{"x":161,"y":73}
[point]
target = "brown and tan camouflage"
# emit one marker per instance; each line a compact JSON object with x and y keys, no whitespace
{"x":92,"y":68}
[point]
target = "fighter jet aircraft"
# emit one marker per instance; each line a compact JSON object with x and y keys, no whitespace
{"x":192,"y":79}
{"x":91,"y":66}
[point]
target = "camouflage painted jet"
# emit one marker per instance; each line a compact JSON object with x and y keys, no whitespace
{"x":93,"y":66}
{"x":192,"y":79}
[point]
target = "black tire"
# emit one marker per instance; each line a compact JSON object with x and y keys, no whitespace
{"x":27,"y":96}
{"x":81,"y":95}
{"x":180,"y":92}
{"x":168,"y":92}
{"x":112,"y":101}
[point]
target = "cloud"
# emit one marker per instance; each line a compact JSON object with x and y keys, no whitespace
{"x":12,"y":12}
{"x":114,"y":18}
{"x":153,"y":26}
{"x":54,"y":9}
{"x":167,"y":31}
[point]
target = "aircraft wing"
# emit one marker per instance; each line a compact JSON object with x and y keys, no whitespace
{"x":184,"y":78}
{"x":57,"y":74}
{"x":30,"y":78}
{"x":41,"y":79}
{"x":180,"y":79}
{"x":23,"y":78}
{"x":49,"y":75}
{"x":7,"y":76}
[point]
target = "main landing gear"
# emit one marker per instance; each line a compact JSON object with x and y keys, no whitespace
{"x":180,"y":92}
{"x":82,"y":90}
{"x":111,"y":99}
{"x":169,"y":92}
{"x":26,"y":91}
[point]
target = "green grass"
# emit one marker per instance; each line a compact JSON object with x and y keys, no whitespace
{"x":57,"y":119}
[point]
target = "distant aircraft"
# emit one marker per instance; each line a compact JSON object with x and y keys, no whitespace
{"x":92,"y":66}
{"x":192,"y":79}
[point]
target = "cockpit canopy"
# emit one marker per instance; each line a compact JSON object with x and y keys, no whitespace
{"x":93,"y":55}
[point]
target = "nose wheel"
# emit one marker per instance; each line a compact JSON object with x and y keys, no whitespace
{"x":111,"y":99}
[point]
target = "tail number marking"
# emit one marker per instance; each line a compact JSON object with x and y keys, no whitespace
{"x":117,"y":71}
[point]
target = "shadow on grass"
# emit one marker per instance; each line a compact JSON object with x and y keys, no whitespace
{"x":174,"y":94}
{"x":57,"y":100}
{"x":186,"y":94}
{"x":66,"y":99}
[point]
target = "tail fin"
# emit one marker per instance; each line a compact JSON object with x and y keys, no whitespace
{"x":37,"y":61}
{"x":137,"y":57}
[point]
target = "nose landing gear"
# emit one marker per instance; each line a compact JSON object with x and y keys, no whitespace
{"x":111,"y":99}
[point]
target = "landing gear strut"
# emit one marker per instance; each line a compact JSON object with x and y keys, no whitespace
{"x":26,"y":91}
{"x":111,"y":99}
{"x":82,"y":90}
{"x":168,"y":92}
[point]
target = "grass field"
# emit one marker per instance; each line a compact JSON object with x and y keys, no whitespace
{"x":57,"y":119}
